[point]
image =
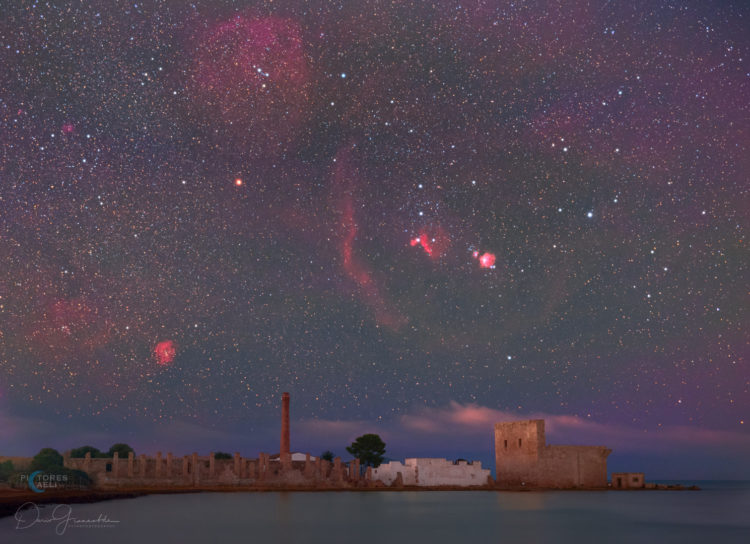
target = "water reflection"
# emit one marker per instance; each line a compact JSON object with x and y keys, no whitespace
{"x":718,"y":514}
{"x":510,"y":500}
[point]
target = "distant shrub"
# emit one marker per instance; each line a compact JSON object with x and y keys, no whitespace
{"x":47,"y":459}
{"x":6,"y":469}
{"x":222,"y":455}
{"x":121,"y":449}
{"x":77,"y":477}
{"x":83,"y":450}
{"x":18,"y":479}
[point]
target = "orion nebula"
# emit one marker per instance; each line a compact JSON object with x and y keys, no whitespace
{"x":380,"y":207}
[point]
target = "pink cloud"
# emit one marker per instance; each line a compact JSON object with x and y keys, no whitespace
{"x":471,"y":426}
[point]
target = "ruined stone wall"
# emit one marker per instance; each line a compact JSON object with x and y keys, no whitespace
{"x":207,"y":471}
{"x":437,"y":472}
{"x":388,"y":473}
{"x":572,"y":466}
{"x":523,"y":458}
{"x":160,"y":470}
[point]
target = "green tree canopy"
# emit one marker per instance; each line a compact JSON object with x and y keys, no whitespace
{"x":47,"y":459}
{"x":121,"y":449}
{"x":327,"y":455}
{"x":83,"y":450}
{"x":369,"y":449}
{"x":6,"y":469}
{"x":222,"y":455}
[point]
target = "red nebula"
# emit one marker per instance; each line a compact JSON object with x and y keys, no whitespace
{"x":433,"y":244}
{"x":354,"y":266}
{"x":425,"y":243}
{"x":251,"y":74}
{"x":487,"y":260}
{"x":68,"y":128}
{"x":66,"y":326}
{"x":165,"y":352}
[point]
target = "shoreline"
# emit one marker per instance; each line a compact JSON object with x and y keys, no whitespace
{"x":11,"y":500}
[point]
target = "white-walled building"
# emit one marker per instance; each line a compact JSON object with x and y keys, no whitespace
{"x":295,"y":456}
{"x":422,"y":471}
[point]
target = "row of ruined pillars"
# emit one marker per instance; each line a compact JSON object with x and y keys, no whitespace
{"x":243,"y":468}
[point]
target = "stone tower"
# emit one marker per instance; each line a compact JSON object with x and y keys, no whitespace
{"x":518,"y":448}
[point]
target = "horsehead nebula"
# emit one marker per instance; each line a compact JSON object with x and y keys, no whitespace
{"x":434,"y":242}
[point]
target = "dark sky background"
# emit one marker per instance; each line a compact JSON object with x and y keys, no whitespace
{"x":417,"y":217}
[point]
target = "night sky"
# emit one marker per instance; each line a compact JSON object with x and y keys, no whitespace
{"x":416,"y":217}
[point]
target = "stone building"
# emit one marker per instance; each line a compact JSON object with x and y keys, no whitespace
{"x":432,"y":472}
{"x":628,"y":480}
{"x":295,"y":456}
{"x":523,"y":458}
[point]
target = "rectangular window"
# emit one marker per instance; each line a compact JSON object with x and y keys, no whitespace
{"x":506,"y":444}
{"x":519,"y":442}
{"x":109,"y":467}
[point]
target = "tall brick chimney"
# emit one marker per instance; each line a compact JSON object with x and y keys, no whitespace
{"x":284,"y":451}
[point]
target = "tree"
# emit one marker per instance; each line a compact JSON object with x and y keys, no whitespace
{"x":222,"y":455}
{"x":83,"y":450}
{"x":50,"y":460}
{"x":121,"y":449}
{"x":6,"y":469}
{"x":47,"y":459}
{"x":327,"y":455}
{"x":369,"y":449}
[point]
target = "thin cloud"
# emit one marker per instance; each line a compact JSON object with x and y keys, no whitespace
{"x":471,"y":426}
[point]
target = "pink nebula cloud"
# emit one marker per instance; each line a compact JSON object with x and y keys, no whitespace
{"x":165,"y":352}
{"x":354,"y":266}
{"x":251,"y":74}
{"x":487,"y":260}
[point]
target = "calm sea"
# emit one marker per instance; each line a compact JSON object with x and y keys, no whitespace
{"x":719,"y":513}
